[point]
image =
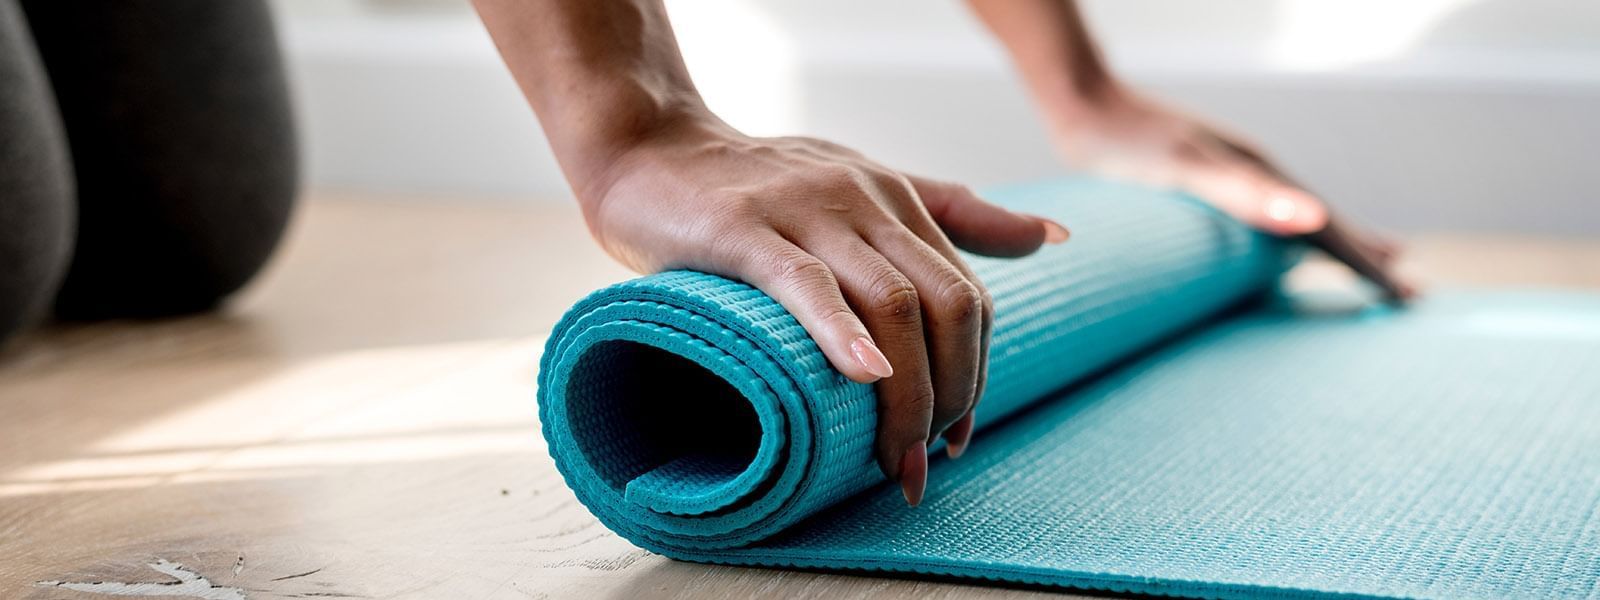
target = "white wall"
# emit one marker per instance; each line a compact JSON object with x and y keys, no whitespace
{"x":1417,"y":114}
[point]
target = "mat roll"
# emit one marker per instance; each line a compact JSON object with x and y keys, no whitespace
{"x":1137,"y":434}
{"x":691,"y":412}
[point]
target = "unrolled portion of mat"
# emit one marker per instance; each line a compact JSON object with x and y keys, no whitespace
{"x":1451,"y":450}
{"x":1445,"y":451}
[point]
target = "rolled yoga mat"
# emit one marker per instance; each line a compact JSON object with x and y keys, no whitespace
{"x":1147,"y":427}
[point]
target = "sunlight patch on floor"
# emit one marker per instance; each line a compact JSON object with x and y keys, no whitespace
{"x":366,"y":407}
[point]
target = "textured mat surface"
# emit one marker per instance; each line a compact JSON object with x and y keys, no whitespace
{"x":1451,"y":450}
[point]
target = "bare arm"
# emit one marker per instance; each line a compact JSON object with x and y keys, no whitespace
{"x":601,"y":76}
{"x":862,"y":255}
{"x":1054,"y":51}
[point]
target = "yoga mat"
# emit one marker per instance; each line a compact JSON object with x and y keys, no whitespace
{"x":1141,"y":433}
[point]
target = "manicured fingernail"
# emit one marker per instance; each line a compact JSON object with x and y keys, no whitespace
{"x":958,"y":436}
{"x":1054,"y":233}
{"x":871,"y":358}
{"x":914,"y":473}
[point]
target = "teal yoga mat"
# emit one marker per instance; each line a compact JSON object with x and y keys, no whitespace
{"x":1153,"y":424}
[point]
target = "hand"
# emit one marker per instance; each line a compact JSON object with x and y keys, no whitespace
{"x":863,"y":256}
{"x":1121,"y":135}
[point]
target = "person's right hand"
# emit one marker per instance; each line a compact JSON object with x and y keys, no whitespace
{"x":863,"y":256}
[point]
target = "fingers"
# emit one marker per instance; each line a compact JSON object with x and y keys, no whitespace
{"x":892,"y":307}
{"x":953,"y":308}
{"x":889,"y":300}
{"x":1249,"y":191}
{"x":1241,"y":182}
{"x":928,"y":234}
{"x":981,"y":227}
{"x":959,"y":435}
{"x":1385,"y":249}
{"x":806,"y":286}
{"x":1342,"y":245}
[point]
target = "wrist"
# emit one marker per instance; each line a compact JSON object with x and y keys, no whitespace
{"x":594,"y":136}
{"x":637,"y":143}
{"x":1089,"y":101}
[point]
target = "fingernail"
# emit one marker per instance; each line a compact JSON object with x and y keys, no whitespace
{"x":1281,"y":209}
{"x":958,"y":436}
{"x":1294,"y":213}
{"x":1054,"y":233}
{"x":914,"y":473}
{"x":871,"y":358}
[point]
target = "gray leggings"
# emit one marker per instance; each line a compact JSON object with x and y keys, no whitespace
{"x":147,"y":158}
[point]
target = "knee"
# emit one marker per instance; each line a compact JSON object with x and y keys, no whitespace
{"x":36,"y":186}
{"x":35,"y":241}
{"x":182,"y":253}
{"x":186,"y":184}
{"x":176,"y":231}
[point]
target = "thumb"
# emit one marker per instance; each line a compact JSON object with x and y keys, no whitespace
{"x":983,"y":228}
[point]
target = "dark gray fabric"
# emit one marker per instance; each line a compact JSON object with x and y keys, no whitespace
{"x":177,"y":117}
{"x":180,"y":131}
{"x":36,"y":206}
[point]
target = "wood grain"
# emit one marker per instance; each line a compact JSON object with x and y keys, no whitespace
{"x":361,"y":423}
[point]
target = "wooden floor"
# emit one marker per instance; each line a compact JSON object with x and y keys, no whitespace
{"x":361,"y":423}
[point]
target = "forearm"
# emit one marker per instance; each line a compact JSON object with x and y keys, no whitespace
{"x":601,"y":75}
{"x":1053,"y":50}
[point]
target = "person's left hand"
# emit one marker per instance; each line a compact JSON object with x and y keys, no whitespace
{"x":1126,"y":136}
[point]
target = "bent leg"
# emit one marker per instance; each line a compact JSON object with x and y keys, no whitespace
{"x":178,"y":118}
{"x":36,"y":204}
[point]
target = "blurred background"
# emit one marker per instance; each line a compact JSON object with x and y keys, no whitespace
{"x":1419,"y":115}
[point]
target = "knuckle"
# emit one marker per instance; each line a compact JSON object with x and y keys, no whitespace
{"x":887,"y":178}
{"x":801,"y":271}
{"x":830,"y":147}
{"x":894,"y":296}
{"x":895,"y":186}
{"x":957,"y":189}
{"x":837,"y":178}
{"x":957,"y":301}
